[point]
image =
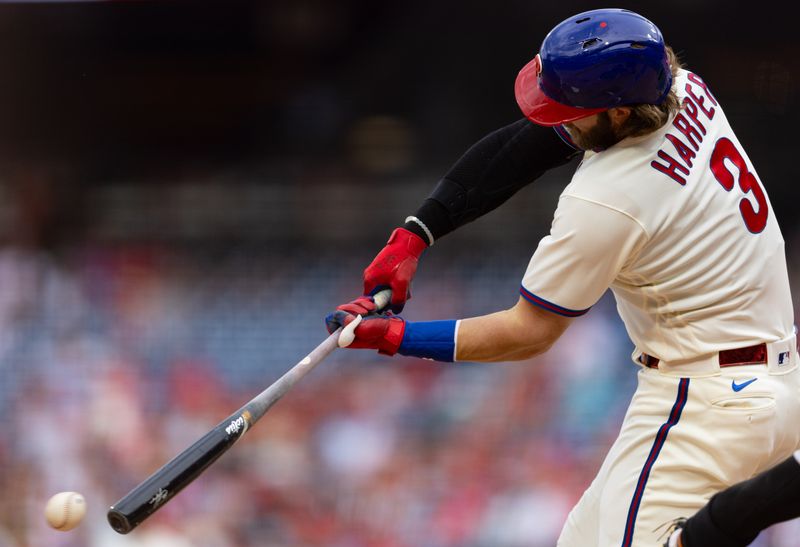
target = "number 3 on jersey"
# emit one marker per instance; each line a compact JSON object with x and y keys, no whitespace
{"x":754,"y":219}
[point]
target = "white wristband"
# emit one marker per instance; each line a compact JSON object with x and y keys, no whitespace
{"x":425,"y":229}
{"x":455,"y":341}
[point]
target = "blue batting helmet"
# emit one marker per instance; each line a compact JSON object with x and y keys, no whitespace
{"x":591,"y":62}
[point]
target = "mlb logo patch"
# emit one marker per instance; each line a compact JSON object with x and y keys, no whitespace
{"x":783,"y":357}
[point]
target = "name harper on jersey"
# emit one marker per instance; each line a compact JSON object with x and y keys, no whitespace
{"x":698,"y":103}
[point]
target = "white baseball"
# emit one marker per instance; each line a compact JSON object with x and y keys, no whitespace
{"x":65,"y":510}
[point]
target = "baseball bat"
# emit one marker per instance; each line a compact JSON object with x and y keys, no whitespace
{"x":160,"y":487}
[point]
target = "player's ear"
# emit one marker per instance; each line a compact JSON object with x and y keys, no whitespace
{"x":619,"y":115}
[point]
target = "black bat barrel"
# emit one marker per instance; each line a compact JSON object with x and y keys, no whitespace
{"x":144,"y":500}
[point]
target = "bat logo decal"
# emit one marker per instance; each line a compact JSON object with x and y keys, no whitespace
{"x":239,"y":423}
{"x":159,"y":497}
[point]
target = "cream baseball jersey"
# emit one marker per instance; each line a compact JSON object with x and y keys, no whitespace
{"x":679,"y":226}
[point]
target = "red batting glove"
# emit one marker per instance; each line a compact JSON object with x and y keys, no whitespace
{"x":381,"y":332}
{"x":394,"y":267}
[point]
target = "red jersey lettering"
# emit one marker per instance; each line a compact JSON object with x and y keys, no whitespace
{"x":686,"y":153}
{"x":694,"y":78}
{"x":755,"y":220}
{"x":688,"y":130}
{"x":671,"y":168}
{"x":693,"y":113}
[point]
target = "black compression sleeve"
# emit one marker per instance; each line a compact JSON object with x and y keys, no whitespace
{"x":735,"y":516}
{"x":489,"y":173}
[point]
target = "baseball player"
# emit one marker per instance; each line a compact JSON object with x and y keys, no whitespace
{"x":735,"y":516}
{"x":666,"y":210}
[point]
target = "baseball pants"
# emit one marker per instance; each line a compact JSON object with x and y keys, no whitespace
{"x":689,"y":432}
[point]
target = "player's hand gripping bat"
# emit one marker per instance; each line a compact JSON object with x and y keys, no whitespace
{"x":164,"y":484}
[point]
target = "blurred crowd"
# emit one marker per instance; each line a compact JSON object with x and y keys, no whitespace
{"x":116,"y":358}
{"x":185,"y":193}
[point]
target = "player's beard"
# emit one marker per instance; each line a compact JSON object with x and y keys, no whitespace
{"x":601,"y":136}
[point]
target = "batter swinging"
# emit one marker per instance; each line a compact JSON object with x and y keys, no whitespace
{"x":667,"y":211}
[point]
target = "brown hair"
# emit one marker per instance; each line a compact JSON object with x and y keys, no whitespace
{"x":646,"y":118}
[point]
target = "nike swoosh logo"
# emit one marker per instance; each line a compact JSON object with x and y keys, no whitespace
{"x":740,"y":387}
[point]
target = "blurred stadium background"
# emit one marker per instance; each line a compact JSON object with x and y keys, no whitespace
{"x":187,"y":188}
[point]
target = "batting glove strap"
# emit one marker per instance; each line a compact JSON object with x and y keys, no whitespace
{"x":393,"y":337}
{"x":430,"y":340}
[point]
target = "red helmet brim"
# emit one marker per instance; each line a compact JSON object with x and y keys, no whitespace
{"x":538,"y":107}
